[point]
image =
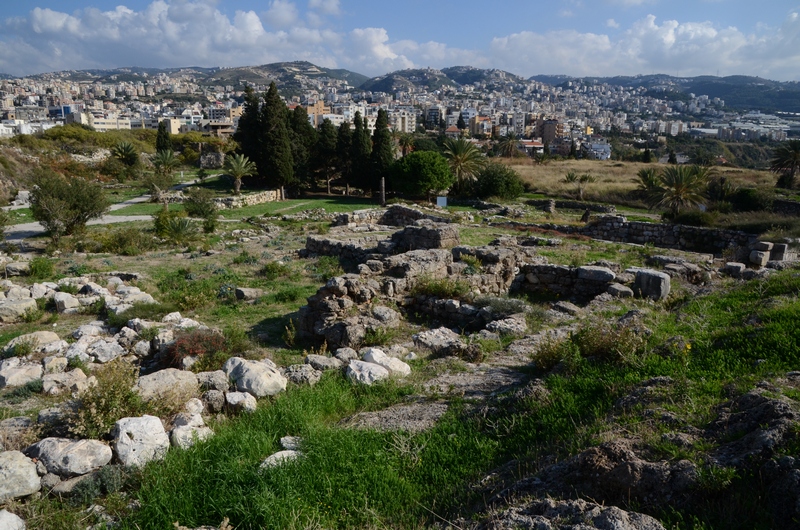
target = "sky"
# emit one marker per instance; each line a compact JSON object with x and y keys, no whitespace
{"x":525,"y":37}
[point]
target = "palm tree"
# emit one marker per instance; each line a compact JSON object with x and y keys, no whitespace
{"x":681,"y":186}
{"x":580,"y":180}
{"x":125,"y":153}
{"x":649,"y":184}
{"x":406,"y":142}
{"x":786,"y":160}
{"x":165,"y":162}
{"x":237,"y":167}
{"x":507,"y":145}
{"x":465,"y":161}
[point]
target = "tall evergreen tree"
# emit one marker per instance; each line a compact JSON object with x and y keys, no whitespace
{"x":276,"y":163}
{"x":250,"y":130}
{"x":324,"y":157}
{"x":382,"y":154}
{"x":163,"y":138}
{"x":360,"y":153}
{"x":344,"y":148}
{"x":461,"y":124}
{"x":302,"y":137}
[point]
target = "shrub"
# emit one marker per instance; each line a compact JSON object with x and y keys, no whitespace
{"x":127,"y":242}
{"x":180,"y":231}
{"x":378,"y":336}
{"x":273,"y":270}
{"x":100,"y":406}
{"x":153,"y":312}
{"x":245,"y":258}
{"x":162,"y":217}
{"x":236,"y":339}
{"x":752,"y":200}
{"x":195,"y":343}
{"x":441,"y":288}
{"x":421,"y":173}
{"x":64,"y":205}
{"x":609,"y":342}
{"x":326,"y":268}
{"x":291,"y":293}
{"x":695,"y":218}
{"x":498,"y":180}
{"x":199,"y":202}
{"x":474,"y":265}
{"x":503,"y":306}
{"x":41,"y":268}
{"x":25,"y":391}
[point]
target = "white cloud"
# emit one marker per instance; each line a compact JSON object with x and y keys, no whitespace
{"x":196,"y":32}
{"x":281,"y":14}
{"x":327,"y":7}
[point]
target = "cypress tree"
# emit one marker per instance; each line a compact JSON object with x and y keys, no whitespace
{"x":382,"y":154}
{"x":302,"y":137}
{"x":344,"y":147}
{"x":461,"y":124}
{"x":324,"y":158}
{"x":276,"y":163}
{"x":360,"y":153}
{"x":163,"y":138}
{"x":249,"y":133}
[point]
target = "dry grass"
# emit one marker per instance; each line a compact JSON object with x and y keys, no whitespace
{"x":614,"y":178}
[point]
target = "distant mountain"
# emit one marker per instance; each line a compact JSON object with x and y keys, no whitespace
{"x":420,"y":78}
{"x":286,"y":74}
{"x":467,"y":75}
{"x":739,"y":92}
{"x":291,"y":77}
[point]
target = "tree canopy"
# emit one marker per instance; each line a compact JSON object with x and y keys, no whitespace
{"x":421,"y":173}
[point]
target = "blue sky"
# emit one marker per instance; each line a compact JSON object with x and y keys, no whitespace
{"x":575,"y":37}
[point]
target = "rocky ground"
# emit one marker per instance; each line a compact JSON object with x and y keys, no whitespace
{"x":392,"y":276}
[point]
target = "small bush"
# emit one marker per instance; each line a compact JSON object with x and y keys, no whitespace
{"x":195,"y":343}
{"x":41,"y":268}
{"x":127,"y":242}
{"x":327,"y":267}
{"x":152,"y":312}
{"x":199,"y":202}
{"x":474,"y":265}
{"x":552,"y":352}
{"x":180,"y":231}
{"x":25,"y":391}
{"x":236,"y":339}
{"x":103,"y":404}
{"x":695,"y":218}
{"x":245,"y":258}
{"x":162,"y":217}
{"x":502,"y":306}
{"x":291,"y":293}
{"x":379,"y":336}
{"x":752,"y":200}
{"x":498,"y":180}
{"x":274,"y":270}
{"x":609,"y":342}
{"x":441,"y":288}
{"x":32,"y":315}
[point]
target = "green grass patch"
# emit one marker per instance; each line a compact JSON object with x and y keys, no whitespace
{"x":147,"y":208}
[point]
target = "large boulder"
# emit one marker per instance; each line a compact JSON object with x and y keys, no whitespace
{"x":68,"y":458}
{"x":259,"y":378}
{"x":65,"y":302}
{"x":323,"y":362}
{"x":651,"y":284}
{"x":186,"y":436}
{"x":137,"y":441}
{"x":10,"y":521}
{"x":302,"y":374}
{"x":395,"y":366}
{"x":36,"y":340}
{"x":365,"y":373}
{"x":13,"y":372}
{"x":167,"y":383}
{"x":596,"y":274}
{"x":240,"y":402}
{"x":72,"y":381}
{"x":14,"y":310}
{"x":105,"y":351}
{"x":18,"y":476}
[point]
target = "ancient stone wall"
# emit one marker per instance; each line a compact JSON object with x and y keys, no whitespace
{"x":354,"y":249}
{"x":250,"y":199}
{"x":693,"y":238}
{"x":395,"y":215}
{"x":578,"y":282}
{"x":572,"y":205}
{"x":426,"y":234}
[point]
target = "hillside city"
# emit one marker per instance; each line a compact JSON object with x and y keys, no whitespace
{"x":497,"y":104}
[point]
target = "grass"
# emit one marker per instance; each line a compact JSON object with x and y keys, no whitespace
{"x":346,"y":478}
{"x":330,"y":204}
